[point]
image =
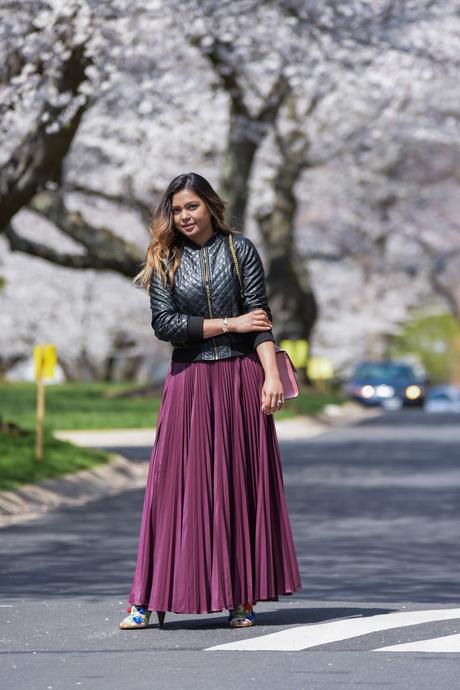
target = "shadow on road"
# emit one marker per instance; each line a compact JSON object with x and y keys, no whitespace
{"x":376,"y":509}
{"x":375,"y":515}
{"x":87,"y":551}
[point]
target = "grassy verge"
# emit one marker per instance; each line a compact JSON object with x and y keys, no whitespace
{"x":88,"y":406}
{"x":78,"y":406}
{"x":74,"y":406}
{"x":18,"y":465}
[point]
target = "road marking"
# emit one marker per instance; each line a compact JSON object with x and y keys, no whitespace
{"x":447,"y":643}
{"x":306,"y":636}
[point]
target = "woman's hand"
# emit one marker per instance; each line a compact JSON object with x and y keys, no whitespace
{"x":272,"y":392}
{"x":256,"y":320}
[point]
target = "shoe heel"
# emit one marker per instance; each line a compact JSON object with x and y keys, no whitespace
{"x":161,"y":618}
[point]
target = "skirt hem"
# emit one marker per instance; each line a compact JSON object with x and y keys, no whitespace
{"x":218,"y":610}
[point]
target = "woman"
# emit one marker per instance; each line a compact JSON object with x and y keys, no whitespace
{"x":215,"y":532}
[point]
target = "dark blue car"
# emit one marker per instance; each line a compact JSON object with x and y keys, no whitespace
{"x":391,"y":384}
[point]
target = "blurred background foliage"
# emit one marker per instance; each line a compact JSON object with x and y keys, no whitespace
{"x":434,"y":339}
{"x":330,"y":128}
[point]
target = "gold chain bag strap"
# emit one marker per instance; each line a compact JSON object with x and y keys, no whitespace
{"x":231,"y":244}
{"x":285,"y":366}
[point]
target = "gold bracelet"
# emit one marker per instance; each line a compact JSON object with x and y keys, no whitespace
{"x":225,"y":326}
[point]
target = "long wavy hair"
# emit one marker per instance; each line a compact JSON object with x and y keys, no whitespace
{"x":164,"y":251}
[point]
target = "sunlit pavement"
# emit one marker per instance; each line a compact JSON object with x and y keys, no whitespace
{"x":375,"y":512}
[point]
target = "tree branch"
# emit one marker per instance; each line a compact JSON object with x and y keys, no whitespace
{"x":278,"y":93}
{"x":127,"y":200}
{"x":21,"y":244}
{"x":104,"y":249}
{"x":217,"y":55}
{"x":38,"y":158}
{"x":126,"y":267}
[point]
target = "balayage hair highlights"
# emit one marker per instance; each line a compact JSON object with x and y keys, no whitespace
{"x":164,"y":250}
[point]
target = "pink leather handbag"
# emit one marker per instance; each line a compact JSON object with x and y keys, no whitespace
{"x":287,"y":374}
{"x":285,"y":366}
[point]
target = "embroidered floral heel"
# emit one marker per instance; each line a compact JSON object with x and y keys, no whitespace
{"x":138,"y":617}
{"x":242,"y":616}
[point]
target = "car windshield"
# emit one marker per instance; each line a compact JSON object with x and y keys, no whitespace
{"x":384,"y":370}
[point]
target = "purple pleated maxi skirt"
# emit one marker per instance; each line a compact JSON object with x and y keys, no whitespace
{"x":215,"y":529}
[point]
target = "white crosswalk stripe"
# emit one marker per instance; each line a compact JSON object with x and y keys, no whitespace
{"x":307,"y":636}
{"x":447,"y":643}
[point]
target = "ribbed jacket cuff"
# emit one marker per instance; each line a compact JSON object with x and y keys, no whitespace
{"x":195,"y":327}
{"x":262,"y":337}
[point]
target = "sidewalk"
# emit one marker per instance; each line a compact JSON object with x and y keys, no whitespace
{"x":120,"y":474}
{"x":297,"y":427}
{"x":287,"y":429}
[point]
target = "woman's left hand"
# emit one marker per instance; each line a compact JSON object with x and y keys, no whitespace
{"x":272,"y":395}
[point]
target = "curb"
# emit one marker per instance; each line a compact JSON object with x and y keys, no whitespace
{"x":120,"y":474}
{"x":34,"y":500}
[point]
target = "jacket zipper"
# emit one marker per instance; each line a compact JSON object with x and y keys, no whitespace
{"x":208,"y":291}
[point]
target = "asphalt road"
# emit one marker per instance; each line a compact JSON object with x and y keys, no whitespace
{"x":375,"y":510}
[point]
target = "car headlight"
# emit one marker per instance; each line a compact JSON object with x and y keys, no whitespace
{"x":413,"y":392}
{"x":385,"y":391}
{"x":367,"y":391}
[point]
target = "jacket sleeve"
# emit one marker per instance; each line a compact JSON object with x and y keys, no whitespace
{"x":167,"y":322}
{"x":255,"y":294}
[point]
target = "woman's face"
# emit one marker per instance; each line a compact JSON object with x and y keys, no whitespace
{"x":191,"y":216}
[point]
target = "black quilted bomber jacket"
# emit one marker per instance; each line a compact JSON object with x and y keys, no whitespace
{"x":178,"y":312}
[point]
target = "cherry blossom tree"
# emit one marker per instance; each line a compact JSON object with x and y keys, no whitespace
{"x":304,"y":113}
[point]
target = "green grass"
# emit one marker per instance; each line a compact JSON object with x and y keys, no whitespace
{"x":18,"y":465}
{"x":309,"y":402}
{"x":73,"y":406}
{"x":78,"y":406}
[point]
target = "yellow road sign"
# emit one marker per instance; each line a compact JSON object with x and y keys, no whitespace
{"x":320,"y":368}
{"x":297,"y":351}
{"x":45,"y":360}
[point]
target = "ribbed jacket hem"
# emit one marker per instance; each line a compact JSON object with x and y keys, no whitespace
{"x":195,"y":327}
{"x":262,"y":337}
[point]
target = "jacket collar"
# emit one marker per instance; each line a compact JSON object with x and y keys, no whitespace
{"x":193,"y":245}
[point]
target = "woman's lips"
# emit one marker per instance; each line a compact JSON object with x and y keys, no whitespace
{"x":187,"y":227}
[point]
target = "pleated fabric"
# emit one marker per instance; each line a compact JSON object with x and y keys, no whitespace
{"x":215,"y":530}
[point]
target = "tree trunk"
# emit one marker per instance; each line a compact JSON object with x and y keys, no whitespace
{"x":289,"y":289}
{"x":236,"y":169}
{"x":39,"y":157}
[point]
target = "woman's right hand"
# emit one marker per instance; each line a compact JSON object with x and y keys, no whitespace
{"x":256,"y":320}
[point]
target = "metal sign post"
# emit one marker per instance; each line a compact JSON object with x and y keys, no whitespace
{"x":45,"y":359}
